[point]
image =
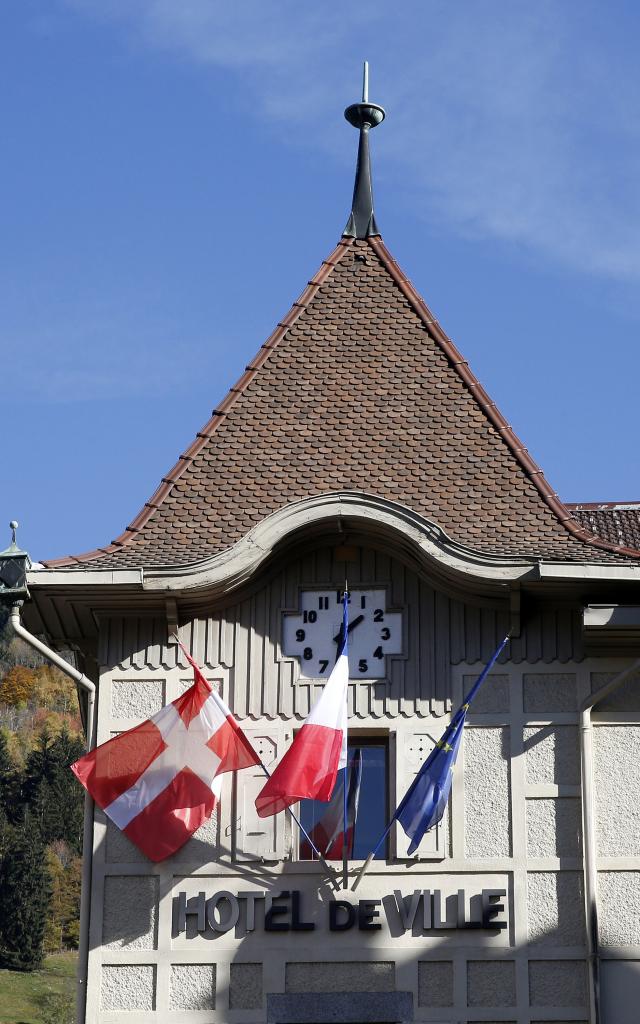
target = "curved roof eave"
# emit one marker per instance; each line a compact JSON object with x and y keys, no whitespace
{"x":426,"y":542}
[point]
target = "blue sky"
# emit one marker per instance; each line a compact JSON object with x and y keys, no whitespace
{"x":173,"y":171}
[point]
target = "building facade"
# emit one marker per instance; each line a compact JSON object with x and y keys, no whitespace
{"x":358,"y":444}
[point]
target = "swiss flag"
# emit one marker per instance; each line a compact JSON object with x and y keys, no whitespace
{"x":159,"y":781}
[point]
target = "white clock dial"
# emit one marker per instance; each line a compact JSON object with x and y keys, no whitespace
{"x":312,"y":635}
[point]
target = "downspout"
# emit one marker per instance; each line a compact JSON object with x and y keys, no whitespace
{"x":589,"y":837}
{"x":87,"y":837}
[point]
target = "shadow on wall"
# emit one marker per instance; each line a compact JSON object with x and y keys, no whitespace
{"x":437,"y":973}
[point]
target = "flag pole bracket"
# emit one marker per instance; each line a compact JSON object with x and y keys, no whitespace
{"x":171,"y":611}
{"x":514,"y":610}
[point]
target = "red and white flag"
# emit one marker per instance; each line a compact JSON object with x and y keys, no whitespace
{"x":160,"y":781}
{"x":308,"y":769}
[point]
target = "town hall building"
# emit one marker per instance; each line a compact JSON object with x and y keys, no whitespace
{"x":358,"y":444}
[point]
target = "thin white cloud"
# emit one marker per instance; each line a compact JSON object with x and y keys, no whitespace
{"x":510,"y":121}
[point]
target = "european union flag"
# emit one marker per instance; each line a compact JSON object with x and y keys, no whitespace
{"x":424,"y":802}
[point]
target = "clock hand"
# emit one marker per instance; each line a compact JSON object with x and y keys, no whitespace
{"x":352,"y":625}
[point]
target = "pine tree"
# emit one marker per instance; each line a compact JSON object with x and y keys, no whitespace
{"x":7,"y":791}
{"x":51,"y":791}
{"x":38,"y":768}
{"x":24,"y":899}
{"x":7,"y":771}
{"x":9,"y":781}
{"x":6,"y":834}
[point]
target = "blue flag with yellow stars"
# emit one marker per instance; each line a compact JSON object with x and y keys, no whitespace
{"x":424,"y":802}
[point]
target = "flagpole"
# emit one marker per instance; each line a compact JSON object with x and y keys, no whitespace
{"x":345,"y":852}
{"x":331,"y":873}
{"x":367,"y":862}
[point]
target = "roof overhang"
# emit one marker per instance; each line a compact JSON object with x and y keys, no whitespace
{"x":611,"y":625}
{"x":341,"y":512}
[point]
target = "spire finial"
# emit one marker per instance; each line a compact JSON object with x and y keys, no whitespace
{"x":363,"y":116}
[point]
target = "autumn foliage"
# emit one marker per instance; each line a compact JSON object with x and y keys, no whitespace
{"x":17,"y":686}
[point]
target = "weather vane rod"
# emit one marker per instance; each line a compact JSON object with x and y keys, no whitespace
{"x":364,"y":116}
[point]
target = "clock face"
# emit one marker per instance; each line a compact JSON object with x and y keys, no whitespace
{"x":313,"y":634}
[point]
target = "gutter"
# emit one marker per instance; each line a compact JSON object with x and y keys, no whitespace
{"x":87,"y":837}
{"x":589,"y":837}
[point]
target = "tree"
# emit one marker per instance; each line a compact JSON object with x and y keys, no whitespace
{"x":55,"y":691}
{"x":6,"y":834}
{"x":51,"y":791}
{"x":24,"y":899}
{"x":17,"y":686}
{"x":7,"y":770}
{"x":9,"y":780}
{"x":65,"y":871}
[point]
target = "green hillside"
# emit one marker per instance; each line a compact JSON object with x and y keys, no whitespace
{"x":46,"y":996}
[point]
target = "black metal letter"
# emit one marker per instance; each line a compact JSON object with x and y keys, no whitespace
{"x":335,"y":924}
{"x":491,"y":908}
{"x":296,"y":924}
{"x":276,"y":926}
{"x":367,"y":913}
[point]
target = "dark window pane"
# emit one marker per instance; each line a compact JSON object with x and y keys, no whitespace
{"x":324,"y":821}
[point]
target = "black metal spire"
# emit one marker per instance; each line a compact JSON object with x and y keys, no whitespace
{"x":365,"y":115}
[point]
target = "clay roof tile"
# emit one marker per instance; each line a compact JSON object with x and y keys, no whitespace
{"x":359,"y":388}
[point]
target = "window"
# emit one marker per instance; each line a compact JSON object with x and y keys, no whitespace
{"x":367,"y":806}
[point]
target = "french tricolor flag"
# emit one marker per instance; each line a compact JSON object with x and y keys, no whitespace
{"x":308,"y":769}
{"x":334,"y":830}
{"x":161,"y":780}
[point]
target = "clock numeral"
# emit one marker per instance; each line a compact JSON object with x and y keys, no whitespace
{"x":300,"y":635}
{"x":323,"y":666}
{"x":385,"y":633}
{"x":340,"y":597}
{"x":323,"y":603}
{"x":378,"y":615}
{"x":307,"y":654}
{"x":309,"y":616}
{"x":378,"y":653}
{"x":362,"y":665}
{"x":363,"y":602}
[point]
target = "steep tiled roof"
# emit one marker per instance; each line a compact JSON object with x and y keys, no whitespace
{"x":614,"y":522}
{"x":357,"y":389}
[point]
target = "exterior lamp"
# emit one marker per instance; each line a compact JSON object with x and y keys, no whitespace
{"x":14,"y":566}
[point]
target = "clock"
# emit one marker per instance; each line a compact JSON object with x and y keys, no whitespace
{"x":313,"y":634}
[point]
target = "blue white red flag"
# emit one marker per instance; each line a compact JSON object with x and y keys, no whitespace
{"x":309,"y":768}
{"x":328,"y":835}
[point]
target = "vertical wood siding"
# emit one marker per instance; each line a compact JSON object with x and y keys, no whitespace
{"x":244,"y":638}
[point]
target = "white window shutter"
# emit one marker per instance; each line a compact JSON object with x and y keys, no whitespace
{"x":412,"y":751}
{"x":259,"y":838}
